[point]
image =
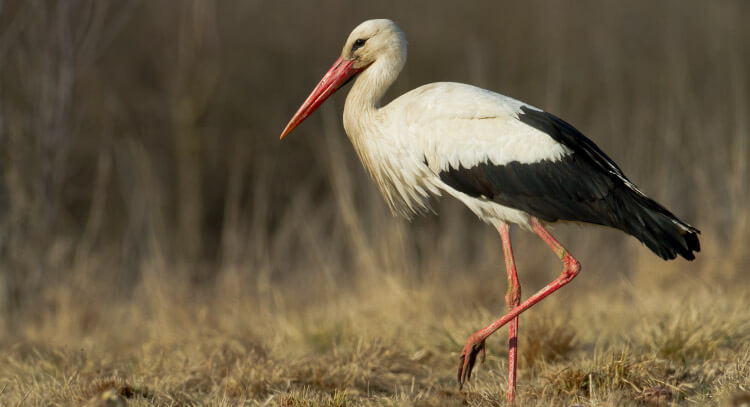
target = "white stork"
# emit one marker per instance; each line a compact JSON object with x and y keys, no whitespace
{"x":507,"y":161}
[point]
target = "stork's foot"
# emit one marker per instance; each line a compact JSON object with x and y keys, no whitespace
{"x":473,"y":347}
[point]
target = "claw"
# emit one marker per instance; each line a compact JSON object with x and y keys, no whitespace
{"x":467,"y":359}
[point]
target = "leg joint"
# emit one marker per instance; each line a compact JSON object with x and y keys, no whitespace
{"x":572,"y":266}
{"x":513,"y":298}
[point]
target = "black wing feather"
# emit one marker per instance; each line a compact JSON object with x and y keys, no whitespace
{"x":564,"y":133}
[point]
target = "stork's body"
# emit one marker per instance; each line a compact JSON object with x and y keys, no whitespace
{"x":508,"y":162}
{"x":411,"y":146}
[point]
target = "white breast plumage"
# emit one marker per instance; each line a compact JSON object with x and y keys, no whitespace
{"x":401,"y":174}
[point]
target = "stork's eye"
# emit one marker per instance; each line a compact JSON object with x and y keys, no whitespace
{"x":358,"y":44}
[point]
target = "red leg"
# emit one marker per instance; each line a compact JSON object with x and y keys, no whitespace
{"x":512,"y":300}
{"x":475,"y":344}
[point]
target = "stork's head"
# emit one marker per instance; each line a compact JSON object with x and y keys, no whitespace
{"x":371,"y":41}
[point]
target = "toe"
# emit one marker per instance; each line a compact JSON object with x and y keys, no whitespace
{"x":468,"y":359}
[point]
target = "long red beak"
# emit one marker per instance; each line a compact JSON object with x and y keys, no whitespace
{"x":337,"y":76}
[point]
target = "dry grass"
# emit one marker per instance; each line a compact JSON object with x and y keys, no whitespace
{"x":158,"y":246}
{"x":385,"y":342}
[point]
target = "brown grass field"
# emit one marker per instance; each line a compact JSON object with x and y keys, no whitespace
{"x":160,"y":247}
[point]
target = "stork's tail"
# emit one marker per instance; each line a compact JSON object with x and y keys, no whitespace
{"x":656,"y":227}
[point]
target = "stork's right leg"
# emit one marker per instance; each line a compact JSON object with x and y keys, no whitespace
{"x":512,"y":300}
{"x":475,"y":344}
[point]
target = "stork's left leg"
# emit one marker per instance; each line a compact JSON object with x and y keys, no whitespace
{"x":512,"y":300}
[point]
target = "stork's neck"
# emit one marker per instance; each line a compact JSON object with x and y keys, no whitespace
{"x":363,"y":101}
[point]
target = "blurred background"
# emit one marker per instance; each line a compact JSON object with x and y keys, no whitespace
{"x":140,"y":156}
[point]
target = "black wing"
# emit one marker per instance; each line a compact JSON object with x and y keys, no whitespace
{"x":584,"y":186}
